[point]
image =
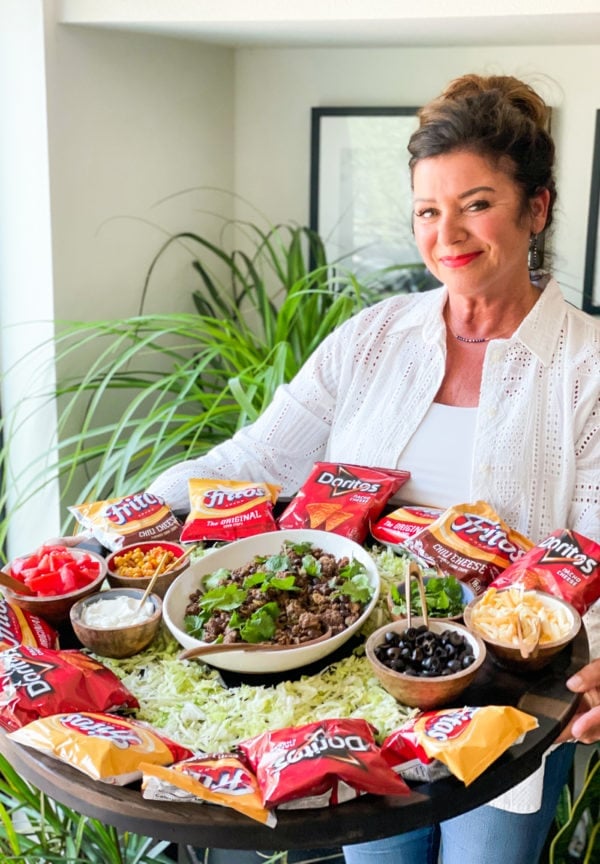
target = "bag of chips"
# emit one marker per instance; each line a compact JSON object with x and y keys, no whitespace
{"x":406,"y":756}
{"x":229,"y":509}
{"x":217,"y":778}
{"x":405,"y":522}
{"x":342,"y":498}
{"x":37,"y":682}
{"x":565,"y":564}
{"x":470,"y":542}
{"x":467,"y":740}
{"x":118,"y":522}
{"x":103,"y":746}
{"x":18,"y":627}
{"x":319,"y":764}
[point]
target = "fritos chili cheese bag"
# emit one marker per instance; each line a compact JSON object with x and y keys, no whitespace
{"x":468,"y":740}
{"x":342,"y":498}
{"x":319,"y":764}
{"x":565,"y":564}
{"x":405,"y":522}
{"x":118,"y":522}
{"x":229,"y":509}
{"x":219,"y":778}
{"x":103,"y":746}
{"x":37,"y":682}
{"x":18,"y":627}
{"x":471,"y":542}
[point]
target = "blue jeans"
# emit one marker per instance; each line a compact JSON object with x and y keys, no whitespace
{"x":485,"y":835}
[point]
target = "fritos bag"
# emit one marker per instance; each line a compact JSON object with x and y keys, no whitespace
{"x":405,"y":522}
{"x":118,"y":522}
{"x":18,"y":627}
{"x":467,"y":740}
{"x":319,"y":764}
{"x":342,"y":498}
{"x":565,"y":564}
{"x":37,"y":682}
{"x":229,"y":509}
{"x":217,"y":778}
{"x":471,"y":542}
{"x":103,"y":746}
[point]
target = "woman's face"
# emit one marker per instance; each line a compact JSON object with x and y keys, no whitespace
{"x":470,"y":222}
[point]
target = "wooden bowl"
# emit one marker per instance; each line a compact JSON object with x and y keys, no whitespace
{"x":116,"y":580}
{"x":430,"y":692}
{"x":509,"y":654}
{"x":116,"y":640}
{"x":466,"y":591}
{"x":55,"y":610}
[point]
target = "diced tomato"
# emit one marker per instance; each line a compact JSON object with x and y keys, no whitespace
{"x":54,"y":570}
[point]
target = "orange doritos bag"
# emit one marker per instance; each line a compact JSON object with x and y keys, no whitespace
{"x":342,"y":498}
{"x":470,"y":542}
{"x":229,"y":509}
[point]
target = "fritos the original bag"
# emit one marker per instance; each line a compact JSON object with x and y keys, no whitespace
{"x":103,"y":746}
{"x":342,"y":498}
{"x":118,"y":522}
{"x":471,"y":542}
{"x":319,"y":764}
{"x":37,"y":682}
{"x":217,"y":778}
{"x":468,"y":740}
{"x":229,"y":509}
{"x":405,"y":522}
{"x":18,"y":627}
{"x":565,"y":564}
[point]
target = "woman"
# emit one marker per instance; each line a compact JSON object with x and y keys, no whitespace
{"x":486,"y":388}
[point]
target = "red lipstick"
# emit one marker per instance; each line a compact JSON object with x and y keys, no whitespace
{"x":454,"y":261}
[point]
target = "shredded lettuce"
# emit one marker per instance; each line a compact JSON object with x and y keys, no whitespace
{"x":188,"y":702}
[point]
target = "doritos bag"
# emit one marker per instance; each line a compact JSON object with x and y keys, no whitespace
{"x":229,"y":509}
{"x":103,"y":746}
{"x":319,"y":764}
{"x":565,"y":564}
{"x":18,"y":627}
{"x":470,"y":542}
{"x":219,"y":778}
{"x":342,"y":498}
{"x":37,"y":682}
{"x":118,"y":522}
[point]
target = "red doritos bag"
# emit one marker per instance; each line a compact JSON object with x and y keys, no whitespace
{"x":342,"y":498}
{"x":18,"y":627}
{"x":320,"y":764}
{"x":565,"y":564}
{"x":37,"y":682}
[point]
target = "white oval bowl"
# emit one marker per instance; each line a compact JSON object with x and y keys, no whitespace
{"x":241,"y":552}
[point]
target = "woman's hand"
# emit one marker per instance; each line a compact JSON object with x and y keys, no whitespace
{"x":585,"y":725}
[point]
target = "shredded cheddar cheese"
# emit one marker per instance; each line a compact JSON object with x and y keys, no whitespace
{"x":497,"y":613}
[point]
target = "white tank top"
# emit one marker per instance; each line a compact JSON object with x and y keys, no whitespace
{"x":439,"y":457}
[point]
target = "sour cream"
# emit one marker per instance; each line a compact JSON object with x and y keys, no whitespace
{"x":116,"y":612}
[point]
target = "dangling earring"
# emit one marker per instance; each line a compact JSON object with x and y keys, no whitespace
{"x":534,"y":259}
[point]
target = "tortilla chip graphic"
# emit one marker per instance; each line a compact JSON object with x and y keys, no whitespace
{"x":320,"y":511}
{"x":336,"y":519}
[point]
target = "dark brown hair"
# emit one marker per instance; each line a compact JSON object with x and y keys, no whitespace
{"x":496,"y":116}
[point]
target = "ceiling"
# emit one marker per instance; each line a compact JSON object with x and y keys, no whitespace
{"x":347,"y":23}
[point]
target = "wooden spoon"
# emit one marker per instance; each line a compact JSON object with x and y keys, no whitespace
{"x":413,"y":570}
{"x":528,"y":647}
{"x":14,"y":584}
{"x":216,"y":647}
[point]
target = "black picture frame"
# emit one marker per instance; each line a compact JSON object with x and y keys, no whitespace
{"x":360,"y":196}
{"x":591,"y":279}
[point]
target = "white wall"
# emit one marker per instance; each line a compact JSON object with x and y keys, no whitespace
{"x":132,"y":120}
{"x":275,"y":90}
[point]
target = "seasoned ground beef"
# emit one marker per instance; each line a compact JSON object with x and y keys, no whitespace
{"x":317,"y":599}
